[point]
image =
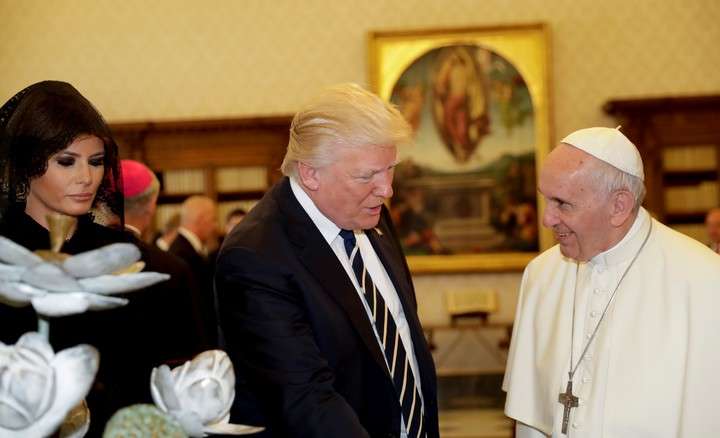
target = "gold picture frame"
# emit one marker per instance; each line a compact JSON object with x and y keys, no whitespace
{"x":434,"y":76}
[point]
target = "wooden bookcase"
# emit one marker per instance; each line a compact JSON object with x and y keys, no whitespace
{"x":232,"y":161}
{"x":679,"y":140}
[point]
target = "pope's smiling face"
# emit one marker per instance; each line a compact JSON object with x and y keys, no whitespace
{"x":577,"y":209}
{"x":352,"y":190}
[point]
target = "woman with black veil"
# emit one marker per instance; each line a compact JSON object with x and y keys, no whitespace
{"x":57,"y":156}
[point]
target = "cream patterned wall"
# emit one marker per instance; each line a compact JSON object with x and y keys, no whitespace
{"x":181,"y":59}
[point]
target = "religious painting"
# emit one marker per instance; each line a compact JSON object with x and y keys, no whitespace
{"x":477,"y":101}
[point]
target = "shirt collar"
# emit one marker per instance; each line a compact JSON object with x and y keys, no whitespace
{"x":192,"y":238}
{"x":133,"y":229}
{"x":629,"y":245}
{"x":162,"y":244}
{"x":327,"y":228}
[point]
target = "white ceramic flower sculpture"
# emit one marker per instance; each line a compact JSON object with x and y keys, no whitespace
{"x":199,"y":394}
{"x":38,"y":388}
{"x":81,"y":282}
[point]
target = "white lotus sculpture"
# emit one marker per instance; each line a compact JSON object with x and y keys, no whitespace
{"x":73,"y":284}
{"x":199,"y":394}
{"x":38,"y":388}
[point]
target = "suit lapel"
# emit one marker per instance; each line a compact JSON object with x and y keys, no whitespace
{"x":322,"y":263}
{"x":326,"y":268}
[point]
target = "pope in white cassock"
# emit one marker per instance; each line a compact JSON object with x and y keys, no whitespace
{"x":616,"y":331}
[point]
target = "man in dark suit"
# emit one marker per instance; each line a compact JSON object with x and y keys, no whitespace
{"x":198,"y":226}
{"x":167,"y":313}
{"x":316,"y":301}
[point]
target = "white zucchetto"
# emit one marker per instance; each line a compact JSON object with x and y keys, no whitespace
{"x":609,"y":145}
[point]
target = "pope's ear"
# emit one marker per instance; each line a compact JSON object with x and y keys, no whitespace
{"x":622,"y":205}
{"x":308,"y":176}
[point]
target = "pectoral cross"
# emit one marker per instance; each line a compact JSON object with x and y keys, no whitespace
{"x":568,"y":400}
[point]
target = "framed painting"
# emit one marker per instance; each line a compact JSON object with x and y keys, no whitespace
{"x":478,"y":102}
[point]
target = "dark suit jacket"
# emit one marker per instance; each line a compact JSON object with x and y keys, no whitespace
{"x":204,"y":298}
{"x":297,"y":331}
{"x":181,"y":247}
{"x":169,"y":310}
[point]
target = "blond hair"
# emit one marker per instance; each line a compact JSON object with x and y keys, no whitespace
{"x":345,"y":115}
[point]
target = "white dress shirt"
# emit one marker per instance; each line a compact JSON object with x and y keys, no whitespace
{"x":194,"y":240}
{"x":378,"y":273}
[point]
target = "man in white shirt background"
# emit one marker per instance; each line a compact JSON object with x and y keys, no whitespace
{"x":198,"y":228}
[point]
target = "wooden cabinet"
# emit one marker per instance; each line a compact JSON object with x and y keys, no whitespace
{"x":232,"y":161}
{"x":679,"y":140}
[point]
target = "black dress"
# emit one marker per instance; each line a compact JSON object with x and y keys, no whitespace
{"x":23,"y":230}
{"x":126,"y":349}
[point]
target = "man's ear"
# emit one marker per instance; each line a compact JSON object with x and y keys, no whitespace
{"x":308,"y":176}
{"x":622,"y":203}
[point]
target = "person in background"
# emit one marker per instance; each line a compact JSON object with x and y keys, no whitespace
{"x":198,"y":229}
{"x":166,"y":314}
{"x":233,"y":218}
{"x":316,"y":301}
{"x":712,"y":225}
{"x":57,"y":156}
{"x":168,"y":233}
{"x":141,"y":189}
{"x":611,"y":332}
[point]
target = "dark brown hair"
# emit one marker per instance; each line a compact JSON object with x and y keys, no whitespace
{"x":42,"y":120}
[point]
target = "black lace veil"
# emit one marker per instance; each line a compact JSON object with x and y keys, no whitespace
{"x":41,"y":120}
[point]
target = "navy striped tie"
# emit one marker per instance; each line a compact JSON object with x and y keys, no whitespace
{"x":393,"y":349}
